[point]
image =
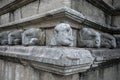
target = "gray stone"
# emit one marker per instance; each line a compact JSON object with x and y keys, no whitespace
{"x":107,"y":41}
{"x":5,"y":2}
{"x":15,"y":37}
{"x":59,"y":60}
{"x":53,"y":4}
{"x":62,"y":35}
{"x":116,"y":4}
{"x":116,"y":21}
{"x":4,"y":38}
{"x":89,"y":38}
{"x":30,"y":9}
{"x":5,"y":18}
{"x":17,"y":14}
{"x":33,"y":36}
{"x":117,"y":40}
{"x":91,"y":12}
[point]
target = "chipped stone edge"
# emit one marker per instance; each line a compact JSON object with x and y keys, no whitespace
{"x":57,"y":66}
{"x":61,"y":12}
{"x":14,"y":5}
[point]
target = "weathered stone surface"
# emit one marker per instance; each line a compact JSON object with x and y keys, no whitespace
{"x":5,"y":2}
{"x":117,"y":40}
{"x":17,"y":14}
{"x":108,"y":41}
{"x":49,"y":35}
{"x":105,"y":54}
{"x":89,"y":38}
{"x":62,"y":35}
{"x":59,"y":60}
{"x":33,"y":36}
{"x":15,"y":37}
{"x":52,"y":4}
{"x":4,"y":38}
{"x":30,"y":9}
{"x":116,"y":4}
{"x":116,"y":21}
{"x":5,"y":18}
{"x":91,"y":12}
{"x":109,"y":2}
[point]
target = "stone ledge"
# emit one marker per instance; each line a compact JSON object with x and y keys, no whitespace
{"x":14,"y":5}
{"x":110,"y":10}
{"x":103,"y":55}
{"x":60,"y":13}
{"x":59,"y":60}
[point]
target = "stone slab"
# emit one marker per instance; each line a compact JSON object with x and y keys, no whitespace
{"x":59,"y":60}
{"x":60,"y":13}
{"x":102,"y":55}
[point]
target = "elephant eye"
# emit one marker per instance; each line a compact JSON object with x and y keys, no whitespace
{"x":56,"y":31}
{"x":12,"y":35}
{"x":93,"y":36}
{"x":68,"y":30}
{"x":28,"y":34}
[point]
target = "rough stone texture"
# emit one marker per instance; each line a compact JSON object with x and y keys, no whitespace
{"x":58,"y":60}
{"x":117,"y":40}
{"x":116,"y":21}
{"x":22,"y":71}
{"x":59,"y":63}
{"x":52,"y":4}
{"x":109,"y":2}
{"x":8,"y":70}
{"x":105,"y":54}
{"x":49,"y":35}
{"x":108,"y":41}
{"x":103,"y":73}
{"x":89,"y":38}
{"x":30,"y":9}
{"x":116,"y":4}
{"x":15,"y":37}
{"x":17,"y":14}
{"x":5,"y":18}
{"x":33,"y":36}
{"x":4,"y":38}
{"x":91,"y":12}
{"x":62,"y":35}
{"x":5,"y":2}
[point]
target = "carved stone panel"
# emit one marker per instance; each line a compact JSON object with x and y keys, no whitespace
{"x":117,"y":40}
{"x":4,"y":38}
{"x":107,"y":41}
{"x":33,"y":36}
{"x":89,"y":38}
{"x":62,"y":35}
{"x":15,"y":37}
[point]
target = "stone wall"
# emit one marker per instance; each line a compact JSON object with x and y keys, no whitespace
{"x":15,"y":71}
{"x":59,"y":40}
{"x":91,"y":12}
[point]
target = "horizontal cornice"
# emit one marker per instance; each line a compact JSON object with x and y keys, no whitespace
{"x":108,"y":9}
{"x":13,"y":6}
{"x":61,"y":12}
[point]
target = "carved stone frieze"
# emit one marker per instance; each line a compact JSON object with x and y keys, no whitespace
{"x":62,"y":35}
{"x":33,"y":36}
{"x":15,"y":37}
{"x":89,"y":38}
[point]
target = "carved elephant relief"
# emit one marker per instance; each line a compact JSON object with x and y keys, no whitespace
{"x":62,"y":35}
{"x":15,"y":37}
{"x":107,"y":41}
{"x":89,"y":38}
{"x":4,"y":38}
{"x":33,"y":36}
